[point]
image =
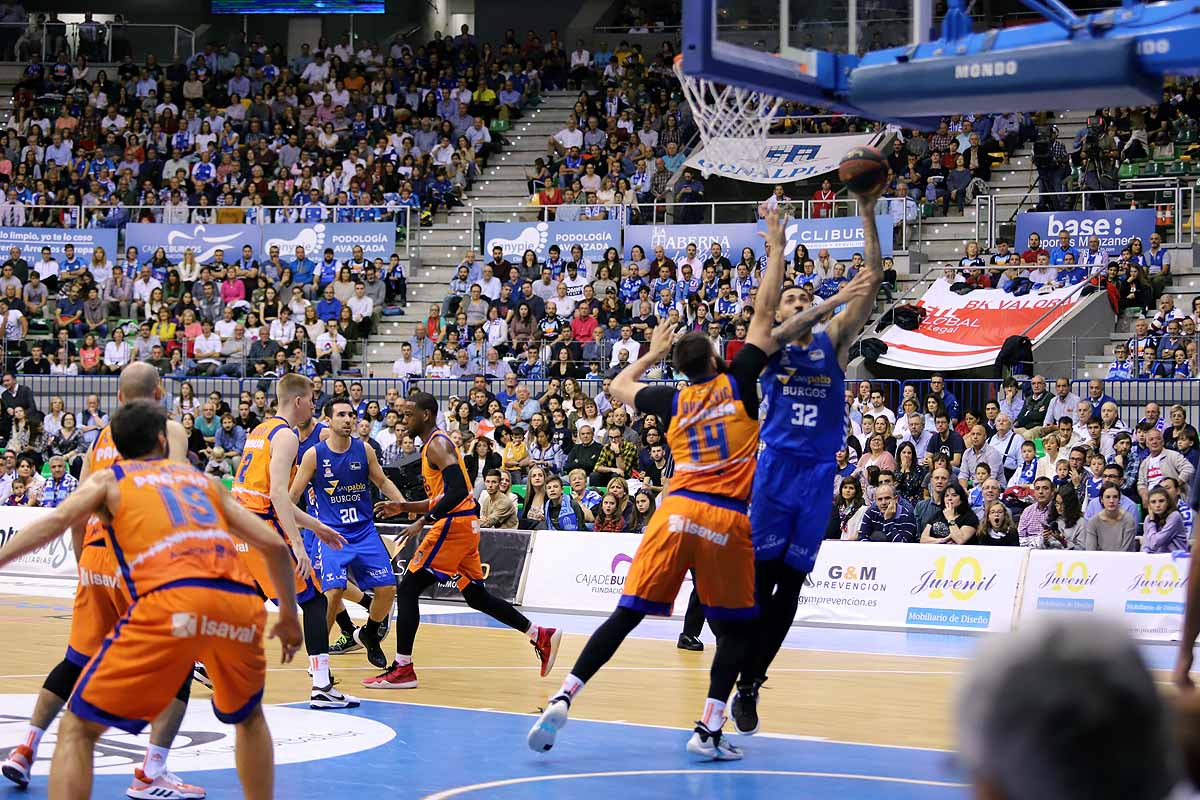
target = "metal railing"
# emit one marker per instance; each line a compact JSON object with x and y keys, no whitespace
{"x":99,"y":42}
{"x":1175,"y":206}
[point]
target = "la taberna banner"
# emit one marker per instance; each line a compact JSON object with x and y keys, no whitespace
{"x":378,"y":239}
{"x":964,"y":331}
{"x":780,"y":160}
{"x":841,"y":236}
{"x":1114,"y":229}
{"x":85,"y":240}
{"x":514,"y":238}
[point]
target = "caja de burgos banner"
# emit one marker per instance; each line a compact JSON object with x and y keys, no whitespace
{"x":964,"y":331}
{"x":378,"y":240}
{"x":1148,"y":592}
{"x":1114,"y":229}
{"x":514,"y":238}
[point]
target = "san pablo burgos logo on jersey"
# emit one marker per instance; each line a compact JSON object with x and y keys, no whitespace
{"x":985,"y":69}
{"x":204,"y":743}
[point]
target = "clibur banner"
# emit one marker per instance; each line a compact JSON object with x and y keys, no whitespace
{"x":1114,"y":229}
{"x":841,"y":236}
{"x":378,"y":240}
{"x":776,"y":160}
{"x":514,"y":238}
{"x":1148,"y":592}
{"x":965,"y":331}
{"x":86,"y":240}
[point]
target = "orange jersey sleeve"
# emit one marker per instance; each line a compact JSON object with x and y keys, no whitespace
{"x":102,"y":455}
{"x":434,"y":483}
{"x":169,"y":527}
{"x":252,"y":482}
{"x":713,"y":439}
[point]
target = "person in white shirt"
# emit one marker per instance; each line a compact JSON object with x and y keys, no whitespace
{"x":406,"y":366}
{"x":317,"y":70}
{"x":625,"y":343}
{"x":116,"y":352}
{"x":283,"y":330}
{"x":142,"y":288}
{"x":581,"y":61}
{"x":330,"y":346}
{"x":489,"y":284}
{"x":565,"y":139}
{"x":1044,"y":274}
{"x":777,"y":198}
{"x":361,"y":306}
{"x":207,"y":350}
{"x":226,"y":325}
{"x":1006,"y":442}
{"x":574,"y":281}
{"x":692,"y":259}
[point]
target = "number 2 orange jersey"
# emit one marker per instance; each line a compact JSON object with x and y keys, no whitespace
{"x":252,"y":483}
{"x":169,"y":527}
{"x":435,"y":485}
{"x":713,"y":439}
{"x":102,"y":456}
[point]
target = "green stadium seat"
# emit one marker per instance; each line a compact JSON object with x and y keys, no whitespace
{"x":519,"y":490}
{"x":1128,"y":171}
{"x":1041,"y":451}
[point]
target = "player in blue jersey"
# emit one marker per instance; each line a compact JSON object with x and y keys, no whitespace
{"x":336,"y":474}
{"x":804,"y":423}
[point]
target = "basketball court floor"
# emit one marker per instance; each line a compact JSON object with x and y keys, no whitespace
{"x":847,"y":713}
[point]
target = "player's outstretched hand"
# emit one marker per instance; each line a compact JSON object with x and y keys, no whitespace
{"x":1183,"y":669}
{"x":329,"y":536}
{"x":776,"y":232}
{"x":390,"y":508}
{"x":412,"y":530}
{"x":661,"y":339}
{"x":290,"y":635}
{"x":303,"y":564}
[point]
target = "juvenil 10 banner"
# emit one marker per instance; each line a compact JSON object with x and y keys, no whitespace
{"x":964,"y":331}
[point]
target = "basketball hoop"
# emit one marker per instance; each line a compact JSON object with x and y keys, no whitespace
{"x":734,"y":122}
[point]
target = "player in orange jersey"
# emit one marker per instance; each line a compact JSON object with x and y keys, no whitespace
{"x":171,"y":528}
{"x":262,"y":485}
{"x":449,"y":551}
{"x":702,"y":523}
{"x":101,"y":599}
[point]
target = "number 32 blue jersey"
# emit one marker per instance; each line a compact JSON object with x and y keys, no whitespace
{"x":803,"y":408}
{"x":340,"y":492}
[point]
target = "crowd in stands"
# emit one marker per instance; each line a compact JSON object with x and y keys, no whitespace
{"x":1035,"y":466}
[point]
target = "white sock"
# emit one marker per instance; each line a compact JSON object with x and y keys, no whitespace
{"x":714,"y":715}
{"x":403,"y":660}
{"x":570,"y":687}
{"x":533,"y":632}
{"x":320,"y":670}
{"x":156,"y":761}
{"x":33,"y":737}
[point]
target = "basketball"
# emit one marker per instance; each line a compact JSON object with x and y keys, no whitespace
{"x":864,"y":170}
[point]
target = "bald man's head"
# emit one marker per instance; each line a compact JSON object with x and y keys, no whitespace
{"x":139,"y":381}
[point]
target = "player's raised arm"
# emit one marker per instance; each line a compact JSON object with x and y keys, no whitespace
{"x":847,"y":325}
{"x":88,"y":499}
{"x":771,"y":287}
{"x":380,"y":478}
{"x":628,"y":381}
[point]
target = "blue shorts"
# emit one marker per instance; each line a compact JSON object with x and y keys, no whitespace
{"x":366,"y":557}
{"x":790,"y":508}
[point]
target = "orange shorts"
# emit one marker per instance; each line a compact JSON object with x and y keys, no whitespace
{"x":450,"y":550}
{"x":306,"y":588}
{"x":142,"y":664}
{"x":707,"y":534}
{"x":101,"y":599}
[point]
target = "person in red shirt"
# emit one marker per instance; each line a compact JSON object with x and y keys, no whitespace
{"x":1035,"y":249}
{"x":823,"y":200}
{"x":582,"y":324}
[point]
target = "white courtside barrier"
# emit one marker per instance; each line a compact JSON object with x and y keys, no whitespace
{"x":56,"y":559}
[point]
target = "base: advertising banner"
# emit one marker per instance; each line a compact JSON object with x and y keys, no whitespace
{"x":503,"y":554}
{"x":1114,"y":229}
{"x":1148,"y":592}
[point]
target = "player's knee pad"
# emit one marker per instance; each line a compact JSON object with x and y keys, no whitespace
{"x":62,"y":679}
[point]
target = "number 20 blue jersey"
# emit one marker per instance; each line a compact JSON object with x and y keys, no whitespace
{"x":803,"y":408}
{"x":340,"y":493}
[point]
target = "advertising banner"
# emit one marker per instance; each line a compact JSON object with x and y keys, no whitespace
{"x":503,"y":554}
{"x":202,"y":240}
{"x":377,"y":239}
{"x":1147,"y":592}
{"x":964,"y":331}
{"x":584,"y":571}
{"x":906,"y":586}
{"x":777,"y":160}
{"x":56,"y":559}
{"x":1114,"y":229}
{"x":841,"y":236}
{"x":32,"y":240}
{"x":674,"y":240}
{"x":514,"y":238}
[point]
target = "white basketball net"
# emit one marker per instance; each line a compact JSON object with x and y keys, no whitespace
{"x":733,"y":121}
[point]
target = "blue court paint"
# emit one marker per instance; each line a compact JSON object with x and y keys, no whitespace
{"x":440,"y":753}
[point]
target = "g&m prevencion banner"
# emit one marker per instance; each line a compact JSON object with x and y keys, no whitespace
{"x":514,"y":238}
{"x":1114,"y":229}
{"x":964,"y":331}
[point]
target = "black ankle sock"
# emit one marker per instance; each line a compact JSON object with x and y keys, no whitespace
{"x":371,"y":630}
{"x":365,"y":600}
{"x":344,"y":622}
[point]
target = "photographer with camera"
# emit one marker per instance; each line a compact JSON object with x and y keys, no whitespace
{"x":1053,"y":164}
{"x":1096,"y":152}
